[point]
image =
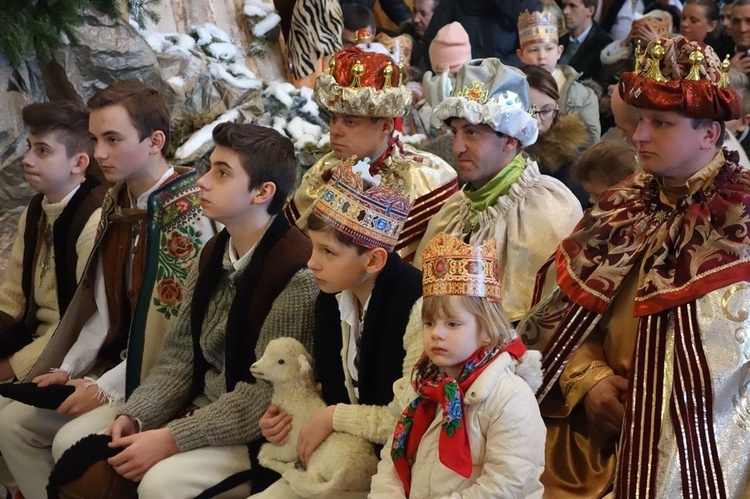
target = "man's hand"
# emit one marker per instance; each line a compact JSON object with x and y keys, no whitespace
{"x":82,"y":400}
{"x":142,"y":451}
{"x":740,"y":61}
{"x":123,"y":426}
{"x":6,"y":371}
{"x":314,"y":432}
{"x":55,"y":378}
{"x":275,"y":425}
{"x":604,"y":405}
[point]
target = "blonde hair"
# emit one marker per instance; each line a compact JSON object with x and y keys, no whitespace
{"x":489,"y":315}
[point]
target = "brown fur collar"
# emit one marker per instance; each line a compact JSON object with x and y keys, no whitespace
{"x":561,"y":144}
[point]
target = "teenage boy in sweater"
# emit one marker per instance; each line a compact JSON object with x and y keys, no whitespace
{"x":367,"y":317}
{"x":151,"y":230}
{"x":185,"y":428}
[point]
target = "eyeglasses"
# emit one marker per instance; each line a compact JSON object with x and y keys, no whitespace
{"x":546,"y":113}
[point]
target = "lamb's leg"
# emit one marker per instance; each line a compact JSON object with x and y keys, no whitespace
{"x":269,"y":458}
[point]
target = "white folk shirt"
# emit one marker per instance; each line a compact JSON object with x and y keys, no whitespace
{"x":82,"y":356}
{"x":349,"y":310}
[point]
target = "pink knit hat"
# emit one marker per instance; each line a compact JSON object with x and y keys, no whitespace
{"x":451,"y":48}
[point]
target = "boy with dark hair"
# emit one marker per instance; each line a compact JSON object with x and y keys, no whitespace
{"x":198,"y":408}
{"x":359,"y":25}
{"x":150,"y":232}
{"x":55,"y":233}
{"x":367,"y":316}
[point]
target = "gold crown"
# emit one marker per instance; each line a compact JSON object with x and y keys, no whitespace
{"x":363,"y":35}
{"x":537,"y":26}
{"x":364,"y":207}
{"x":452,"y":267}
{"x":683,"y":76}
{"x":678,"y":58}
{"x":363,"y":83}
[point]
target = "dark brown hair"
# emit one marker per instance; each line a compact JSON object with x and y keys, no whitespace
{"x":70,"y":120}
{"x":710,"y":8}
{"x":316,"y":224}
{"x":590,"y":3}
{"x":607,"y":162}
{"x":146,"y":107}
{"x":357,"y":17}
{"x":266,"y":156}
{"x":542,"y":80}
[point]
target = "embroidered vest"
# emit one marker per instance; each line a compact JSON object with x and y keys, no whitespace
{"x":65,"y":233}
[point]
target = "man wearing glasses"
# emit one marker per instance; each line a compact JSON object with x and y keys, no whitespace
{"x":504,"y":195}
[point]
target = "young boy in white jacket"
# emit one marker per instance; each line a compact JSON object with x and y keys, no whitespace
{"x":471,"y":426}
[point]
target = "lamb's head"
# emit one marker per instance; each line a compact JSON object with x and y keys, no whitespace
{"x":284,"y":360}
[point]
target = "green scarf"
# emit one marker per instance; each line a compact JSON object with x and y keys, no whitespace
{"x":487,"y":195}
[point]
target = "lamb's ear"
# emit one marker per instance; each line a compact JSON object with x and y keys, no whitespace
{"x":304,"y":364}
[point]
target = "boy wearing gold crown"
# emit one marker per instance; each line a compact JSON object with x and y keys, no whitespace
{"x":505,"y":197}
{"x":645,"y":353}
{"x":364,"y":94}
{"x":367,"y":316}
{"x":471,"y":426}
{"x":537,"y":34}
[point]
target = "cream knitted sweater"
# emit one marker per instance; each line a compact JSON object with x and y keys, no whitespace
{"x":12,"y":299}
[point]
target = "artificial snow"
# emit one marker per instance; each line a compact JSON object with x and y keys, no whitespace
{"x":303,"y":132}
{"x":241,"y":70}
{"x":266,"y":25}
{"x":208,"y":33}
{"x":282,"y":91}
{"x":297,"y":116}
{"x":258,"y":8}
{"x":221,"y":73}
{"x":185,"y":42}
{"x":278,"y":124}
{"x":224,"y":51}
{"x":310,"y":107}
{"x":203,"y":136}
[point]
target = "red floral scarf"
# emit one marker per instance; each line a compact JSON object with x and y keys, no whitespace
{"x":435,"y":388}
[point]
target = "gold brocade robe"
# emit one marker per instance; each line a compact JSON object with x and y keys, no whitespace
{"x":527,"y":223}
{"x":426,"y":177}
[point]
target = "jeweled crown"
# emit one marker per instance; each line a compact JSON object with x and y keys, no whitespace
{"x":537,"y":26}
{"x":369,"y":209}
{"x":453,"y":267}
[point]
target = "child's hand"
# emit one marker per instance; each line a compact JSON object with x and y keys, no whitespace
{"x":81,"y":401}
{"x":123,"y":426}
{"x":314,"y":432}
{"x":55,"y":378}
{"x":142,"y":451}
{"x":275,"y":425}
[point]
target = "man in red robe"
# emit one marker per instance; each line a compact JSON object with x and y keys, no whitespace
{"x":645,"y":335}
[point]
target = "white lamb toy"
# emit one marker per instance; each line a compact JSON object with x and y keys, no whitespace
{"x":342,"y":462}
